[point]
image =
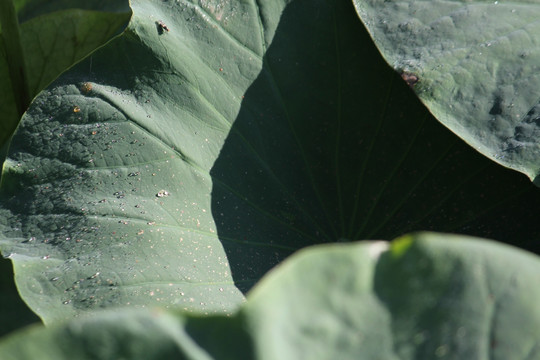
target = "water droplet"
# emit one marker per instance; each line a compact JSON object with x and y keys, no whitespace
{"x":119,"y":194}
{"x":162,"y":193}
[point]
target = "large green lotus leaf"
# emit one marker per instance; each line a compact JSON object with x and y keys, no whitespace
{"x":51,"y":43}
{"x":476,"y":63}
{"x":113,"y":166}
{"x":213,"y":139}
{"x":423,"y":296}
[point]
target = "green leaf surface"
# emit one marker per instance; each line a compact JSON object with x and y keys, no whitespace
{"x":477,"y":68}
{"x":55,"y":41}
{"x":212,"y":140}
{"x":126,"y":183}
{"x":426,"y":296}
{"x":49,"y":44}
{"x":423,"y":296}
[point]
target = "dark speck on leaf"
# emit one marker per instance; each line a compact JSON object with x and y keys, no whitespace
{"x":496,"y":109}
{"x":161,"y":27}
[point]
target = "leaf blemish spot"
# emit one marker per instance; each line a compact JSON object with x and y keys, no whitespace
{"x":410,"y":78}
{"x":86,"y":87}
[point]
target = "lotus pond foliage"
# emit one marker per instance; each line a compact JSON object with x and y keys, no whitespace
{"x":269,"y":179}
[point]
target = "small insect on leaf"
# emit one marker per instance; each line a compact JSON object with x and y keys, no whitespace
{"x":161,"y":26}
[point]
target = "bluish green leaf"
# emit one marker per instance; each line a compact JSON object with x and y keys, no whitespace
{"x":476,"y":65}
{"x":422,"y":297}
{"x":53,"y":36}
{"x":48,"y":44}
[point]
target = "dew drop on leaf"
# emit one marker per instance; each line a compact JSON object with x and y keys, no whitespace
{"x":162,"y":193}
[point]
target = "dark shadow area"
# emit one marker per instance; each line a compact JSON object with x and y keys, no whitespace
{"x":40,"y":7}
{"x":13,"y":311}
{"x":223,"y":337}
{"x":331,"y":144}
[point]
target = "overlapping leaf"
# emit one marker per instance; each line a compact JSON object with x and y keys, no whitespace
{"x":424,"y":296}
{"x":476,"y":63}
{"x":53,"y":36}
